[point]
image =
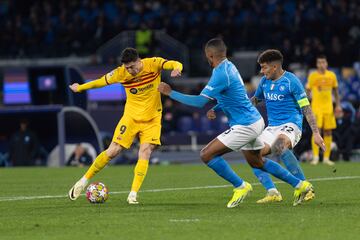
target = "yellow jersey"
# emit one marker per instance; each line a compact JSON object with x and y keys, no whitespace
{"x":143,"y":100}
{"x":321,"y":86}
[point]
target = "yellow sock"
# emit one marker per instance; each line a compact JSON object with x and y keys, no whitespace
{"x":327,"y":141}
{"x":100,"y":162}
{"x":315,"y":148}
{"x":139,"y":174}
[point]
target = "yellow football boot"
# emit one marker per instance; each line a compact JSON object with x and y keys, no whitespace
{"x":300,"y":193}
{"x":309,"y":195}
{"x":239,"y":195}
{"x":271,"y":197}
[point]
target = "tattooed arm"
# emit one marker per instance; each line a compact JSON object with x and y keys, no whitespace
{"x":254,"y":100}
{"x":310,"y":118}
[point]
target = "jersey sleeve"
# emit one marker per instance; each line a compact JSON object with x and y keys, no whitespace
{"x":259,"y":93}
{"x":114,"y":76}
{"x":157,"y":63}
{"x":217,"y":83}
{"x":299,"y":93}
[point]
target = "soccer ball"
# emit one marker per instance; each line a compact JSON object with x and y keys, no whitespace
{"x":97,"y":192}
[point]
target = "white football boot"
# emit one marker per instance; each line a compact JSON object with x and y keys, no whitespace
{"x":132,"y":198}
{"x":76,"y":190}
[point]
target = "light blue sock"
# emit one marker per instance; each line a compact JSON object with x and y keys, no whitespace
{"x":278,"y":171}
{"x":292,"y":164}
{"x":264,"y":178}
{"x":223,"y":169}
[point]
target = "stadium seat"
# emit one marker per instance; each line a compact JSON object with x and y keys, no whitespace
{"x":185,"y":124}
{"x":205,"y":124}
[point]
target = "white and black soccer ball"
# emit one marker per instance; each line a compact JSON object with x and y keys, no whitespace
{"x":97,"y":192}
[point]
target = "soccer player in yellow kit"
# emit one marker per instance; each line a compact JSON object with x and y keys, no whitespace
{"x":142,"y":114}
{"x":322,"y":84}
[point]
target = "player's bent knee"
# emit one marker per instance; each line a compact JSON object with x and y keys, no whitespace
{"x":205,"y":156}
{"x":146,"y":151}
{"x":280,"y":146}
{"x":257,"y":163}
{"x":113,"y":150}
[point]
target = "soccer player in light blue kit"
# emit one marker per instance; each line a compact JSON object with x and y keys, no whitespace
{"x":286,"y":103}
{"x":246,"y":124}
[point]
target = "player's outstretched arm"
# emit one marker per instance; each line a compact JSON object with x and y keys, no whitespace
{"x":310,"y":118}
{"x":175,"y":66}
{"x":75,"y":87}
{"x":192,"y":100}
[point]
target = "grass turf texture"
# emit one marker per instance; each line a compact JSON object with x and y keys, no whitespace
{"x":176,"y":213}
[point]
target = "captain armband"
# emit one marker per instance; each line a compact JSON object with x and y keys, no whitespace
{"x":303,"y":102}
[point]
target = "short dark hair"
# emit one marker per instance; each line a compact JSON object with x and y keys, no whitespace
{"x":270,"y":55}
{"x":218,"y":44}
{"x":321,"y":56}
{"x":129,"y":55}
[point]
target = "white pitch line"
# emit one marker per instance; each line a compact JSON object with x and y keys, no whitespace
{"x":185,"y":220}
{"x":19,"y":198}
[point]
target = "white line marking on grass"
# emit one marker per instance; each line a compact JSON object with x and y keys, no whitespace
{"x":185,"y":220}
{"x":19,"y":198}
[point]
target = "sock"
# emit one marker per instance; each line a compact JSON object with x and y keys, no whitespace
{"x":292,"y":164}
{"x":139,"y":174}
{"x":264,"y":179}
{"x":278,"y":171}
{"x":315,"y":148}
{"x":327,"y":141}
{"x":223,"y":169}
{"x":100,"y":162}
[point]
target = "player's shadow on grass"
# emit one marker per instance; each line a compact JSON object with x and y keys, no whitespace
{"x":177,"y":204}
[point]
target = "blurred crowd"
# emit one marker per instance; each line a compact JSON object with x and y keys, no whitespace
{"x":301,"y":29}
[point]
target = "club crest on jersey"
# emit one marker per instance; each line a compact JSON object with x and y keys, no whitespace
{"x":282,"y":88}
{"x":110,"y":74}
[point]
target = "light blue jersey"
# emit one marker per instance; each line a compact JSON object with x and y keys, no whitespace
{"x":284,"y":98}
{"x":227,"y":87}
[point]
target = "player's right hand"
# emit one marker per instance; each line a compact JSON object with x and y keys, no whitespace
{"x":74,"y":87}
{"x":175,"y":73}
{"x":164,"y":88}
{"x":319,"y":141}
{"x":211,"y":114}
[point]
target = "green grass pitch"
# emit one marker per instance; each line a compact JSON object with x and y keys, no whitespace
{"x":177,"y":202}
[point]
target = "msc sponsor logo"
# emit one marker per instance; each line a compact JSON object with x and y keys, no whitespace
{"x":274,"y":96}
{"x":136,"y":90}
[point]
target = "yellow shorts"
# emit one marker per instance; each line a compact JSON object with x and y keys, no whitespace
{"x":127,"y":129}
{"x":325,"y":121}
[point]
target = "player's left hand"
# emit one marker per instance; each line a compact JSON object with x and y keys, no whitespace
{"x":319,"y":141}
{"x":338,"y":112}
{"x":211,"y":114}
{"x":74,"y":87}
{"x":164,"y":88}
{"x":175,"y":73}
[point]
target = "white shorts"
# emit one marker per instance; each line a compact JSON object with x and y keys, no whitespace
{"x":240,"y":137}
{"x":291,"y":130}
